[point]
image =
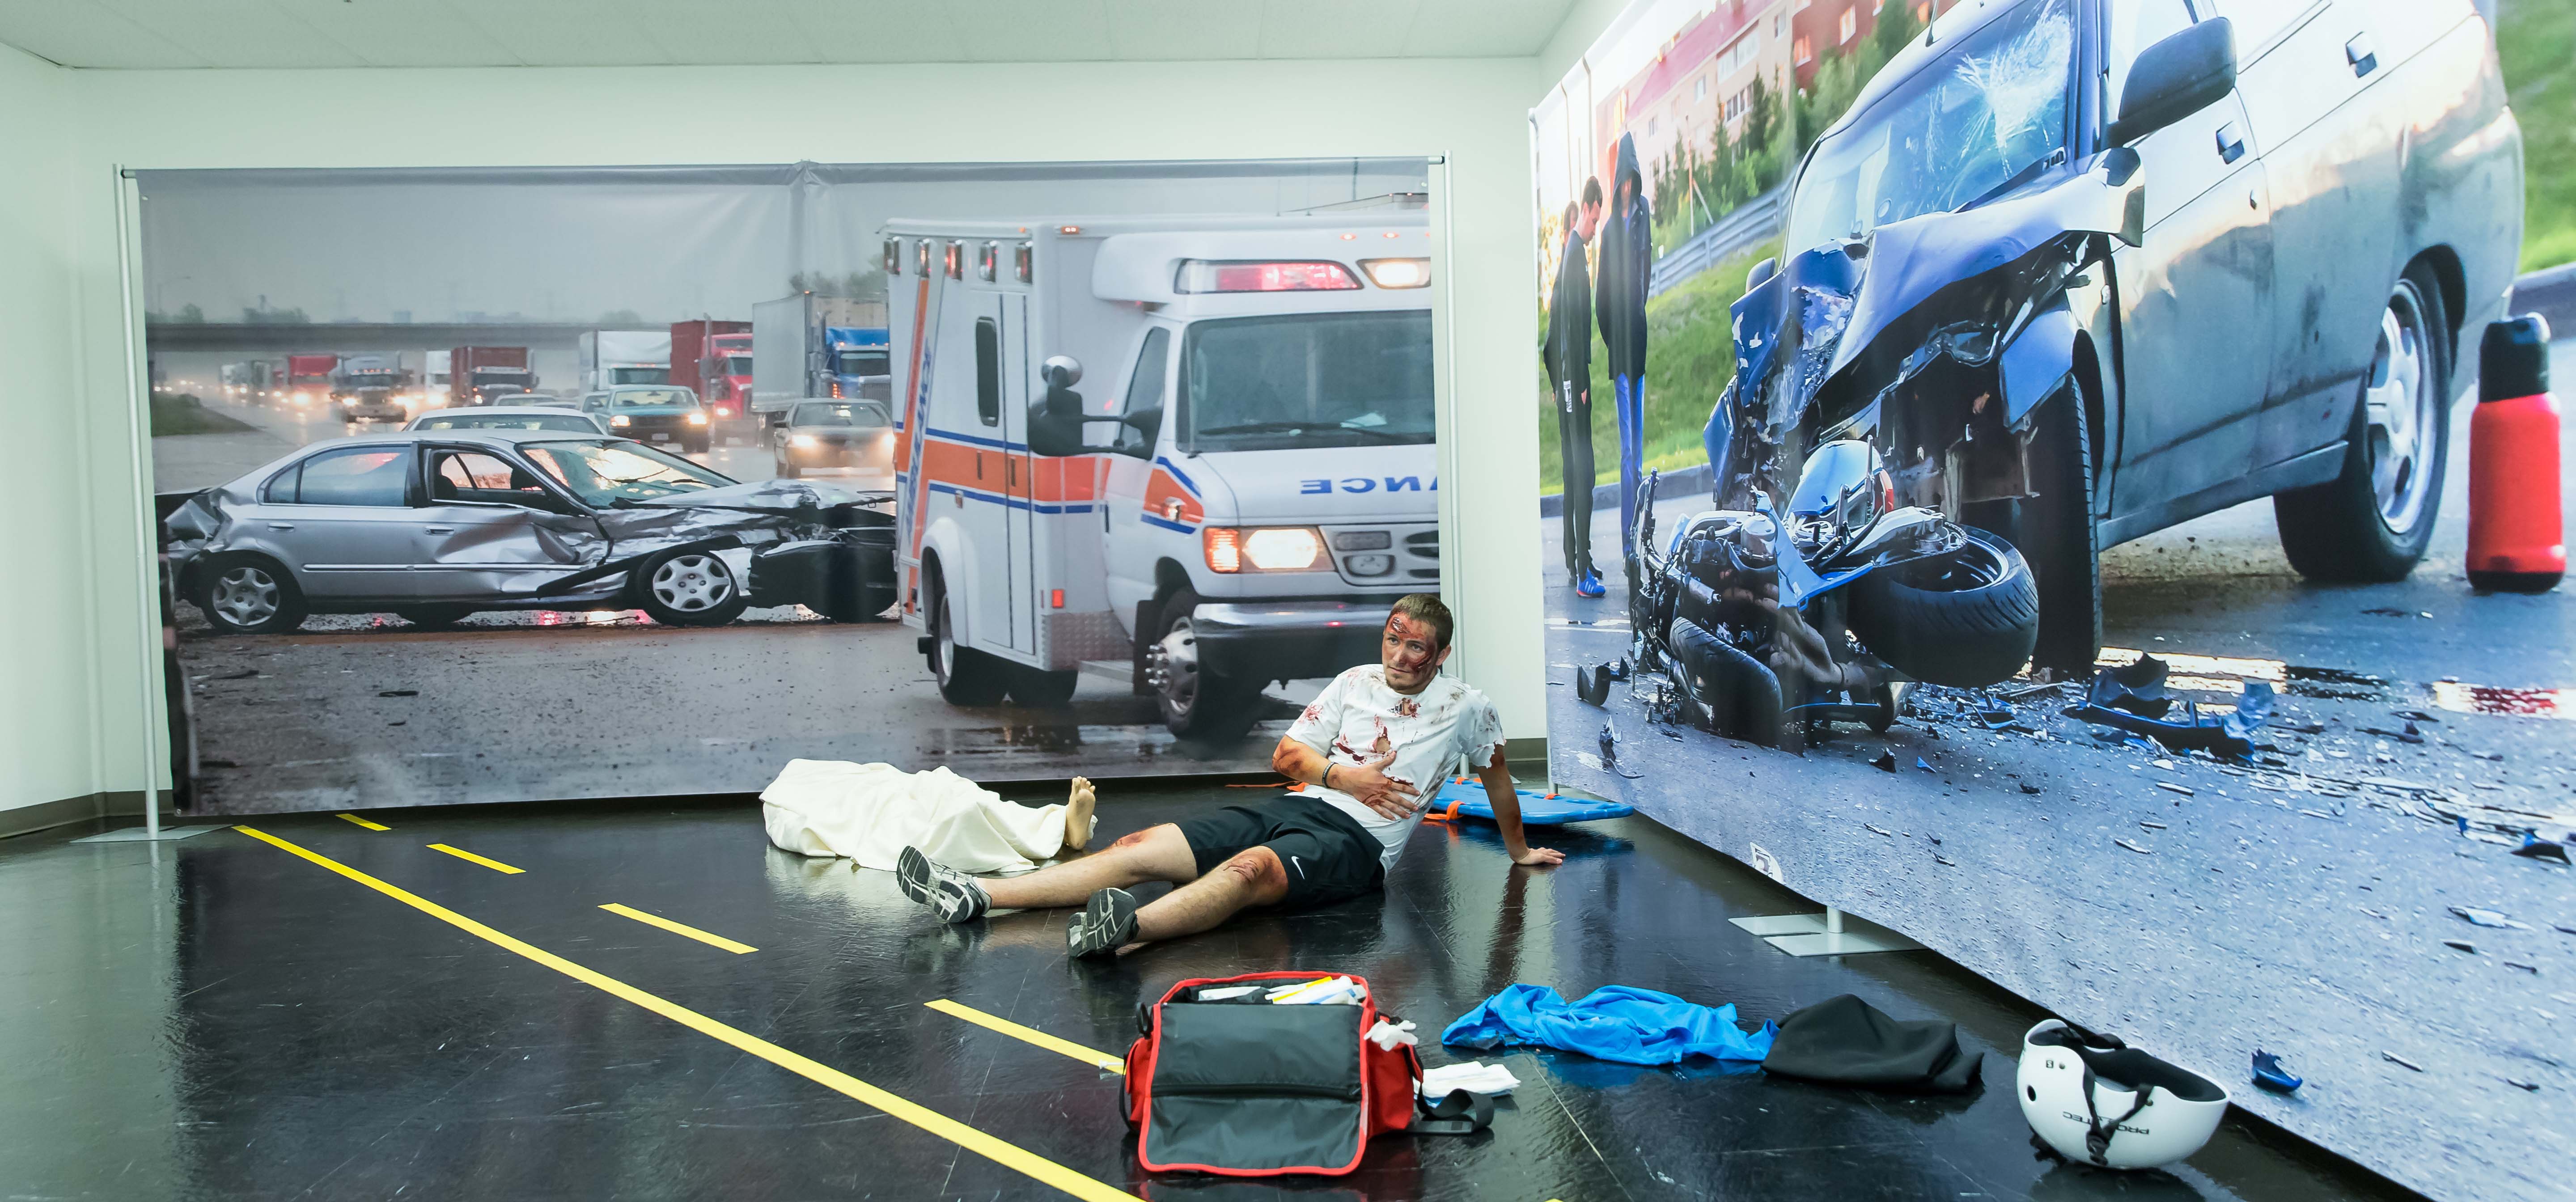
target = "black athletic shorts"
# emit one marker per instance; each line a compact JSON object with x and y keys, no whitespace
{"x":1329,"y":856}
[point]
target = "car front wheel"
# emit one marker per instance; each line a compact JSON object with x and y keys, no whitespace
{"x":966,"y":676}
{"x":689,"y":588}
{"x":249,"y":594}
{"x":2371,"y":522}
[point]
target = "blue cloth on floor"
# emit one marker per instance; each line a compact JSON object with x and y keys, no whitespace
{"x":1614,"y":1022}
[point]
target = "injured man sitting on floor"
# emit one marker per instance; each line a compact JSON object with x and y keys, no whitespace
{"x":1369,"y":744}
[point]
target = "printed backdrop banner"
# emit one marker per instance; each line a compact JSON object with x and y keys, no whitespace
{"x":486,"y":485}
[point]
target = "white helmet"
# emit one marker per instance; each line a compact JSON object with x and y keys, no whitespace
{"x":2099,"y":1101}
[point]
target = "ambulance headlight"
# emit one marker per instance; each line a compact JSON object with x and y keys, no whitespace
{"x":1264,"y":548}
{"x":1398,"y":273}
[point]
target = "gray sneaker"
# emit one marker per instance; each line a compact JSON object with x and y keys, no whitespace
{"x":1106,"y":924}
{"x":953,"y":895}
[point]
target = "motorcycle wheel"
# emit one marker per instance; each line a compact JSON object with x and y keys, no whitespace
{"x":1965,"y":619}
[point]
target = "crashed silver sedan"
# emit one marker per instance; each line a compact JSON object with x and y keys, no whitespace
{"x":2081,"y":270}
{"x":436,"y":525}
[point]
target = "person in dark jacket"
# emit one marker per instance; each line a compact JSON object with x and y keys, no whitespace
{"x":1627,"y":257}
{"x":1569,"y":368}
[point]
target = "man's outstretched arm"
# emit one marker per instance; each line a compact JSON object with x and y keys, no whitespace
{"x":1497,"y":778}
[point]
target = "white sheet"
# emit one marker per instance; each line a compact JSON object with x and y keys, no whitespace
{"x":869,"y":812}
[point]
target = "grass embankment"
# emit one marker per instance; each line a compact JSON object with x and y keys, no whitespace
{"x":2536,"y":41}
{"x":179,"y":413}
{"x":1690,"y":355}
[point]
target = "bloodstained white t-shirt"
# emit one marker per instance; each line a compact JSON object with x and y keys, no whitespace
{"x":1358,"y":718}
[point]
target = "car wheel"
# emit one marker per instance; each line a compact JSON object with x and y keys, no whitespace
{"x":2057,"y":536}
{"x":699,"y":446}
{"x":1043,"y":690}
{"x":966,"y":676}
{"x":249,"y":594}
{"x":1195,"y":703}
{"x":434,"y":617}
{"x":2372,"y":521}
{"x":689,"y":588}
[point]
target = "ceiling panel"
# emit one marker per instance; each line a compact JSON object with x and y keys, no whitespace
{"x":563,"y":33}
{"x":250,"y":33}
{"x":1335,"y":28}
{"x":500,"y":33}
{"x":78,"y":32}
{"x":1182,"y":29}
{"x":417,"y":33}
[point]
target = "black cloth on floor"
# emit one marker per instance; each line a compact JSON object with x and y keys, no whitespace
{"x":1846,"y":1041}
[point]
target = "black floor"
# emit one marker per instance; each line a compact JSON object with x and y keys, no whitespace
{"x":220,"y":1018}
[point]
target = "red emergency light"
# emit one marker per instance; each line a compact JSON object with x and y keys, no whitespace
{"x":1209,"y":275}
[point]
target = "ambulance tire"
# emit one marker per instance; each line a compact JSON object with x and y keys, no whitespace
{"x":1043,"y":690}
{"x":966,"y":676}
{"x":1195,"y":704}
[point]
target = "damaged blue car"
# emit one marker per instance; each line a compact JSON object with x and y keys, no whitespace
{"x":2081,"y":270}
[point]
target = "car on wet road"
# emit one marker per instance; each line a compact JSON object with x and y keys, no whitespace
{"x":834,"y":434}
{"x":2085,"y":269}
{"x":511,"y":417}
{"x":435,"y":525}
{"x":656,"y":413}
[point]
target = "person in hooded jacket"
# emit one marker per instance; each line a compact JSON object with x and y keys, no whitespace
{"x":1568,"y":352}
{"x":1627,"y":258}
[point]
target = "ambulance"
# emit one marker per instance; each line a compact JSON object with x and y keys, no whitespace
{"x":1197,"y":448}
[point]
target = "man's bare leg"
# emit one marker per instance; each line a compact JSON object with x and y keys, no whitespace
{"x":1157,"y":853}
{"x":1254,"y":877}
{"x":1112,"y":920}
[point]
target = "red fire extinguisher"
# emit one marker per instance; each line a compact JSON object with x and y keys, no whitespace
{"x":2516,"y":542}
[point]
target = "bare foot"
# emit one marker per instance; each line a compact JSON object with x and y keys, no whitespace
{"x":1077,"y":814}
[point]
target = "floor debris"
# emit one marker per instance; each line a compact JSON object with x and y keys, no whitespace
{"x":2400,"y":1061}
{"x":2490,"y":918}
{"x":2133,"y":847}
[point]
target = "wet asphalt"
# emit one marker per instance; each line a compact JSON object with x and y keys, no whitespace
{"x":2303,"y":903}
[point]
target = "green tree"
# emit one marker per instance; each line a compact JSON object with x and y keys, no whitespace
{"x":621,"y":317}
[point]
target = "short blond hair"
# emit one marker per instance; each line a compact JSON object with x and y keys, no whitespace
{"x":1427,"y":609}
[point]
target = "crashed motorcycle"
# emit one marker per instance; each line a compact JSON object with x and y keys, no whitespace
{"x":1774,"y":622}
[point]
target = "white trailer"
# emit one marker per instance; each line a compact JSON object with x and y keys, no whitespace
{"x":1199,"y":447}
{"x":610,"y":358}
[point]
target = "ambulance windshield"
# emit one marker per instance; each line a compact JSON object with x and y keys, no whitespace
{"x":1308,"y":380}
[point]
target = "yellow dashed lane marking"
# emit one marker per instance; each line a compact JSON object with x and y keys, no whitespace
{"x":1097,"y":1059}
{"x":462,"y":854}
{"x":738,"y":949}
{"x":1002,"y":1152}
{"x":373,"y":826}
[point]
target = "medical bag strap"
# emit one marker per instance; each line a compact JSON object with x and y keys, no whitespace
{"x":1443,"y":1118}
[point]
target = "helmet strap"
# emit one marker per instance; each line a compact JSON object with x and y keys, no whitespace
{"x":2097,"y":1133}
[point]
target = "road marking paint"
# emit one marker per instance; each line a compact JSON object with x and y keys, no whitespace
{"x":739,"y":949}
{"x":373,"y":826}
{"x":1096,"y":1059}
{"x":999,"y":1151}
{"x":462,"y":854}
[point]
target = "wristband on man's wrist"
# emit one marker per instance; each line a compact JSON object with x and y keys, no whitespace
{"x":1327,"y":782}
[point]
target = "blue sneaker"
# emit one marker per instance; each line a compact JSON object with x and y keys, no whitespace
{"x":1588,"y":585}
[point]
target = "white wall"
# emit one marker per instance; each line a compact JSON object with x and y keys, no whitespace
{"x":1472,"y":111}
{"x":49,"y":703}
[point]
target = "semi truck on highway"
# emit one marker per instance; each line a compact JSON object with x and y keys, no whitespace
{"x":1199,"y":447}
{"x":372,"y":388}
{"x":433,"y":375}
{"x":476,"y":374}
{"x":713,"y":359}
{"x":308,"y":380}
{"x":812,"y":347}
{"x":610,"y":358}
